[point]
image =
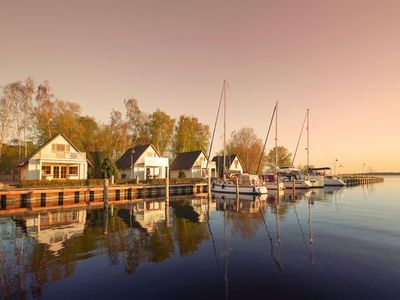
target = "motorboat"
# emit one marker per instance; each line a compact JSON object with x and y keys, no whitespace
{"x":329,"y":180}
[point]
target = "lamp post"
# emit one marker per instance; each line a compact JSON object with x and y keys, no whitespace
{"x":132,"y":167}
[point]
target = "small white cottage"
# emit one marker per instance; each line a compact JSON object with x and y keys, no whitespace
{"x":232,"y":164}
{"x":58,"y":158}
{"x":193,"y":164}
{"x":142,"y":161}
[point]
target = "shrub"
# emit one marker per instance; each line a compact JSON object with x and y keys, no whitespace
{"x":181,"y":174}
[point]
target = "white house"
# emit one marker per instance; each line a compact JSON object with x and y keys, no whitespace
{"x":142,"y":161}
{"x":193,"y":164}
{"x":232,"y":164}
{"x":56,"y":159}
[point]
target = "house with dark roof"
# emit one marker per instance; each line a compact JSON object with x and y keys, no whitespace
{"x":193,"y":164}
{"x":232,"y":164}
{"x":142,"y":161}
{"x":58,"y":158}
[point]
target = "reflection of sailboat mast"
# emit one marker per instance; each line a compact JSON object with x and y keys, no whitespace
{"x":278,"y":264}
{"x":311,"y":232}
{"x":304,"y":236}
{"x":226,"y":279}
{"x":207,"y":217}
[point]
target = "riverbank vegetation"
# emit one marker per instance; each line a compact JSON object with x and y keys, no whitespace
{"x":30,"y":115}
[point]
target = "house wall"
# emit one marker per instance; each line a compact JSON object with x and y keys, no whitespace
{"x":151,"y":159}
{"x":236,"y":166}
{"x":46,"y":156}
{"x":198,"y":170}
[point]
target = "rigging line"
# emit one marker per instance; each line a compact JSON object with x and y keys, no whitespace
{"x":298,"y":141}
{"x":278,"y":265}
{"x":215,"y":126}
{"x":266,"y":139}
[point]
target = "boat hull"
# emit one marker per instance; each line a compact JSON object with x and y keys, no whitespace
{"x":333,"y":181}
{"x":316,"y":181}
{"x":231,"y":189}
{"x":272,"y":186}
{"x":298,"y":184}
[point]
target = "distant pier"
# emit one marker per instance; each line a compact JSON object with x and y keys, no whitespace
{"x":361,"y":180}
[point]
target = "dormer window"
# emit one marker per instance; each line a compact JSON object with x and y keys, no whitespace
{"x":60,"y":148}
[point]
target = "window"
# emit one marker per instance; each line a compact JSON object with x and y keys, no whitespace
{"x":56,"y":171}
{"x":46,"y":170}
{"x":73,"y":170}
{"x":63,"y":172}
{"x":60,"y":148}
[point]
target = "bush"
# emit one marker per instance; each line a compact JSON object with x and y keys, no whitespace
{"x":60,"y":183}
{"x":98,"y":182}
{"x":181,"y":174}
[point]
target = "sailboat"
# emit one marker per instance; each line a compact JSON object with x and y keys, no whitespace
{"x":312,"y":179}
{"x":241,"y":183}
{"x":272,"y":181}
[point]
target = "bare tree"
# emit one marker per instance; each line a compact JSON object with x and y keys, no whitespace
{"x":6,"y":109}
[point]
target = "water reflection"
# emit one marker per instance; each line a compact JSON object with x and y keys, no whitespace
{"x":262,"y":233}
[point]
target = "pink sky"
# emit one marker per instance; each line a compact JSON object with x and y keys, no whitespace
{"x":341,"y":59}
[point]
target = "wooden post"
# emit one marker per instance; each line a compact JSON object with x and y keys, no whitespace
{"x":105,"y":191}
{"x":167,"y":183}
{"x":237,"y":187}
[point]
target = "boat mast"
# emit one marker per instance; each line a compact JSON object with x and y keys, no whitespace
{"x":276,"y":151}
{"x":224,"y":158}
{"x":308,"y":139}
{"x":276,"y":140}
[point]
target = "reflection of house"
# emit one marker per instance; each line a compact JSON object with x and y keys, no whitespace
{"x":144,"y":215}
{"x":232,"y":164}
{"x":56,"y":159}
{"x":203,"y":207}
{"x":55,"y":227}
{"x":142,"y":161}
{"x":193,"y":164}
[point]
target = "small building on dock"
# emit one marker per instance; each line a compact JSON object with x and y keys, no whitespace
{"x":193,"y":164}
{"x":142,"y":161}
{"x":58,"y":158}
{"x":232,"y":164}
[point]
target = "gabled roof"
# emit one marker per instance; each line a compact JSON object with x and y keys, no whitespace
{"x":124,"y":162}
{"x":185,"y":160}
{"x":26,"y":159}
{"x":219,"y":160}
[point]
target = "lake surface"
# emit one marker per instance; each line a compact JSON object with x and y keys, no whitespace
{"x":341,"y":243}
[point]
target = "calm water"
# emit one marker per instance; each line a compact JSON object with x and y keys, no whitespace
{"x":324,"y":244}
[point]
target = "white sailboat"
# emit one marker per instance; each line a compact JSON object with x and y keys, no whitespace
{"x":271,"y":181}
{"x":316,"y":181}
{"x":292,"y":177}
{"x":241,"y":183}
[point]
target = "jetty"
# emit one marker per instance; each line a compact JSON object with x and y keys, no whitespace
{"x":21,"y":200}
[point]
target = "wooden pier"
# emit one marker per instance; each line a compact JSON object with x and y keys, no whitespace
{"x":23,"y":200}
{"x":361,"y":180}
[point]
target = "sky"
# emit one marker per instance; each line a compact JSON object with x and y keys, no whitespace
{"x":339,"y":58}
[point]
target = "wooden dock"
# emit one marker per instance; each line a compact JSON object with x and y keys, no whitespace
{"x":361,"y":180}
{"x":23,"y":200}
